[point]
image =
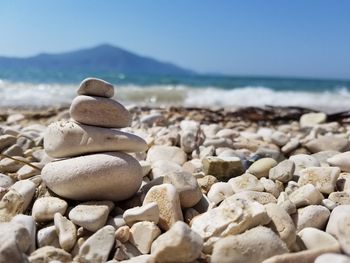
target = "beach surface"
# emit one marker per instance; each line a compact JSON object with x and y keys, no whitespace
{"x":215,"y":185}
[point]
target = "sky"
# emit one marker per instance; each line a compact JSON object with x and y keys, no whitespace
{"x":304,"y":38}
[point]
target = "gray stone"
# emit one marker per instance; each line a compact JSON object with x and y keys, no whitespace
{"x":96,"y":87}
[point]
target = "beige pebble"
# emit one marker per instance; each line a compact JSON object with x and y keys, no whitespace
{"x":255,"y":245}
{"x":223,"y":168}
{"x":123,"y":234}
{"x":45,"y":208}
{"x":147,"y":212}
{"x":311,"y":216}
{"x":179,"y":244}
{"x":306,"y":195}
{"x":261,"y":167}
{"x":142,"y":234}
{"x":168,"y":201}
{"x":11,"y":204}
{"x":341,"y":160}
{"x":47,"y":236}
{"x":303,"y":161}
{"x":96,"y":87}
{"x":49,"y":254}
{"x":323,"y":178}
{"x":166,"y":153}
{"x":98,"y":246}
{"x":246,"y":182}
{"x":66,"y":231}
{"x":283,"y":171}
{"x":219,"y":191}
{"x":340,"y":198}
{"x":284,"y":202}
{"x":314,"y":238}
{"x":91,"y":215}
{"x":332,"y":257}
{"x":274,"y":188}
{"x":26,"y":188}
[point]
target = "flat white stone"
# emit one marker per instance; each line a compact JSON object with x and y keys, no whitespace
{"x":111,"y":176}
{"x":142,"y":234}
{"x":66,"y":231}
{"x":147,"y":212}
{"x":45,"y":208}
{"x":91,"y":215}
{"x":69,"y":138}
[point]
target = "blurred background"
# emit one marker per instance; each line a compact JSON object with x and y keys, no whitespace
{"x":186,"y":53}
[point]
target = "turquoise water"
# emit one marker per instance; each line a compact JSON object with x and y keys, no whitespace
{"x":37,"y":89}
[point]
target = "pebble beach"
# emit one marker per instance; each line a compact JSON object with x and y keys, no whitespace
{"x":100,"y":181}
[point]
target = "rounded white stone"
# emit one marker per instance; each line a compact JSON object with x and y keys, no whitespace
{"x":98,"y":111}
{"x":111,"y":176}
{"x":96,"y":87}
{"x":69,"y":138}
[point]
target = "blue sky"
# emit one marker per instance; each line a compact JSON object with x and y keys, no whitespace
{"x":243,"y":37}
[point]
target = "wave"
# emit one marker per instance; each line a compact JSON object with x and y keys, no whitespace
{"x":20,"y":94}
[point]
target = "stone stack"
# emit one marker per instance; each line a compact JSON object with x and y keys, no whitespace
{"x":92,"y":162}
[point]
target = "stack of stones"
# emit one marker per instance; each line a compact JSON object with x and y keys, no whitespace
{"x":90,"y":148}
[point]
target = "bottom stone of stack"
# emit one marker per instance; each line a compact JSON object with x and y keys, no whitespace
{"x":103,"y":176}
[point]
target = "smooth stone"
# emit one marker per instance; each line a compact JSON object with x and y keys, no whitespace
{"x":27,"y":171}
{"x":98,"y":111}
{"x":281,"y":223}
{"x":27,"y":189}
{"x":111,"y":176}
{"x":153,"y":119}
{"x":166,"y":153}
{"x":230,"y":218}
{"x":142,"y":234}
{"x":66,"y":231}
{"x":138,"y":259}
{"x":314,"y":238}
{"x":50,"y":254}
{"x":219,"y":191}
{"x":323,"y":178}
{"x":311,"y":216}
{"x":261,"y":167}
{"x":328,"y":143}
{"x":187,"y":187}
{"x":303,"y":161}
{"x":312,"y":119}
{"x":306,"y":195}
{"x":123,"y":234}
{"x":246,"y":182}
{"x":279,"y":138}
{"x":332,"y":257}
{"x":91,"y":215}
{"x":5,"y":181}
{"x":255,"y":245}
{"x":146,"y":167}
{"x":48,"y":236}
{"x":340,"y":198}
{"x":329,"y":204}
{"x":191,"y":136}
{"x":45,"y":208}
{"x":274,"y":188}
{"x":223,"y":168}
{"x":29,"y":223}
{"x":96,"y":87}
{"x":338,"y":215}
{"x":283,"y":171}
{"x":8,"y":165}
{"x":147,"y":212}
{"x":342,"y":160}
{"x":15,"y":242}
{"x":98,"y":246}
{"x":6,"y":141}
{"x":11,"y":204}
{"x":69,"y":138}
{"x":162,"y":167}
{"x":179,"y":244}
{"x":168,"y":200}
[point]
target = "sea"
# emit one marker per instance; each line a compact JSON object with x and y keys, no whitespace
{"x":37,"y":92}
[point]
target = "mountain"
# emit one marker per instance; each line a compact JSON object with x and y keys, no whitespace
{"x":103,"y":59}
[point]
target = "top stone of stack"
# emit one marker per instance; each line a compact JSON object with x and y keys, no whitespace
{"x":96,"y":87}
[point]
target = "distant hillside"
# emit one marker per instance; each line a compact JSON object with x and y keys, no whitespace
{"x":102,"y":59}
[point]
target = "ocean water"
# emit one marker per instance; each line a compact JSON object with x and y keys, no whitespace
{"x":193,"y":91}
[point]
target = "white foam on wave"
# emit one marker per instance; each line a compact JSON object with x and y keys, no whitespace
{"x":19,"y":94}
